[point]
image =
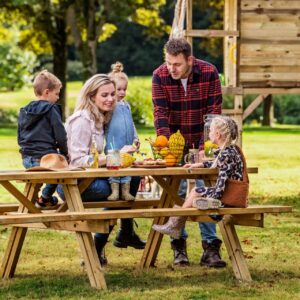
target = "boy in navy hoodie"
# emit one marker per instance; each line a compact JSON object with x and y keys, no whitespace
{"x":41,"y":131}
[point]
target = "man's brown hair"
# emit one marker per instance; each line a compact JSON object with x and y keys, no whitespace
{"x":176,"y":46}
{"x":45,"y":80}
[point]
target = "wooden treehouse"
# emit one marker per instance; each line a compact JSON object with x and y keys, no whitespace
{"x":261,"y":48}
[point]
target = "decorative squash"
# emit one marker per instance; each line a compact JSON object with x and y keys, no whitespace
{"x":176,"y":145}
{"x":164,"y":151}
{"x":161,"y":141}
{"x":170,"y":160}
{"x":126,"y":160}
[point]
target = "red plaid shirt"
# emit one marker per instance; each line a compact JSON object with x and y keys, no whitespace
{"x":174,"y":109}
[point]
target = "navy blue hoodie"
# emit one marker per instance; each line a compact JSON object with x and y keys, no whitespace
{"x":40,"y":130}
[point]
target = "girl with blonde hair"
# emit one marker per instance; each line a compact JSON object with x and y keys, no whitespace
{"x":95,"y":104}
{"x":120,"y":131}
{"x":224,"y":133}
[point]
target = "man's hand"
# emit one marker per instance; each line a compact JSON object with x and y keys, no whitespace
{"x":128,"y":149}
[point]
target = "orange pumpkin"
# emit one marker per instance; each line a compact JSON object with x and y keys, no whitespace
{"x":161,"y":141}
{"x":170,"y":160}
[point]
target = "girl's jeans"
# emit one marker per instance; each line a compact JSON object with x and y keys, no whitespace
{"x":121,"y":180}
{"x":49,"y":189}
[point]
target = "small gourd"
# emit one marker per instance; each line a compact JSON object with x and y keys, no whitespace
{"x":176,"y":145}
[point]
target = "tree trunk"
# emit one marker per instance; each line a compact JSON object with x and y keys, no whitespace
{"x":88,"y":58}
{"x":268,"y":111}
{"x":59,"y":47}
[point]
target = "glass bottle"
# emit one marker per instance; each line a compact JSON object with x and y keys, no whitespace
{"x":94,"y":154}
{"x":209,"y":146}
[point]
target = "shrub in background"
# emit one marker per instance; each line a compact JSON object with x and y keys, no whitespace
{"x":140,"y":99}
{"x":16,"y":67}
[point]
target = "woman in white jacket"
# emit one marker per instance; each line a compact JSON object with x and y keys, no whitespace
{"x":93,"y":111}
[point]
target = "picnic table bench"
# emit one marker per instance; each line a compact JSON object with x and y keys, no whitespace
{"x":75,"y":215}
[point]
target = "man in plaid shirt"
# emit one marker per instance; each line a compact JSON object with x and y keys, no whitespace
{"x":184,"y":89}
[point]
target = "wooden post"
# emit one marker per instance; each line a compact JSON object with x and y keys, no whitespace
{"x":234,"y":249}
{"x":17,"y":237}
{"x":155,"y":238}
{"x":85,"y":240}
{"x":189,"y":21}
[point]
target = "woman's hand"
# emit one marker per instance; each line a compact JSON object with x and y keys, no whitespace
{"x":102,"y":160}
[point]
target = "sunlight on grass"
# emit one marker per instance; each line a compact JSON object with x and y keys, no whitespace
{"x":49,"y":266}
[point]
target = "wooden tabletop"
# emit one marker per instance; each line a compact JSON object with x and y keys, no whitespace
{"x":102,"y":172}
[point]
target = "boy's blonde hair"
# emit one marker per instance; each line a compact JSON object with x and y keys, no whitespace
{"x":45,"y":80}
{"x":84,"y":100}
{"x":117,"y":72}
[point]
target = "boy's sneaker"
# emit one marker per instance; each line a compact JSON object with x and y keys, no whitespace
{"x":206,"y":203}
{"x":46,"y":203}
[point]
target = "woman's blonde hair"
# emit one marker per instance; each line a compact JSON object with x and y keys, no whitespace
{"x":228,"y":128}
{"x":117,"y":72}
{"x":85,"y":102}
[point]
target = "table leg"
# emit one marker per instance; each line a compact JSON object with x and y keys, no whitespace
{"x":86,"y":243}
{"x":234,"y":249}
{"x":17,"y":237}
{"x":155,"y":238}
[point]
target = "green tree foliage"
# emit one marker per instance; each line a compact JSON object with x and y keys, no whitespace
{"x":94,"y":21}
{"x":16,"y":66}
{"x":47,"y":19}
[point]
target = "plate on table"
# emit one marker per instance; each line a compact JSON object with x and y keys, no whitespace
{"x":149,"y":166}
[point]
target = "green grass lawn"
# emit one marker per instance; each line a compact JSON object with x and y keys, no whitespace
{"x":49,"y":267}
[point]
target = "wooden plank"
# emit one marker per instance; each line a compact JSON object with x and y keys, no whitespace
{"x":231,"y":43}
{"x":253,"y":105}
{"x":268,"y":34}
{"x":138,"y":213}
{"x":273,"y":91}
{"x":155,"y":238}
{"x":259,"y":11}
{"x":140,"y":203}
{"x":270,"y":21}
{"x":94,"y":173}
{"x":270,"y":61}
{"x":232,"y":111}
{"x":19,"y":196}
{"x":189,"y":20}
{"x":273,"y":42}
{"x":234,"y":250}
{"x":83,"y":226}
{"x":289,"y":76}
{"x":17,"y":237}
{"x":230,"y":90}
{"x":270,"y":69}
{"x":211,"y":33}
{"x":271,"y":84}
{"x":283,"y":4}
{"x":254,"y":220}
{"x":86,"y":242}
{"x":51,"y":181}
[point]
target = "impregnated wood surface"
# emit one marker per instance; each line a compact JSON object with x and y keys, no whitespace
{"x":101,"y":172}
{"x":270,"y":44}
{"x":138,"y":213}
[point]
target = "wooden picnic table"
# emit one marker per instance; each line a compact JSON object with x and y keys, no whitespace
{"x":74,"y":216}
